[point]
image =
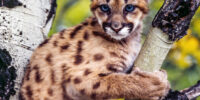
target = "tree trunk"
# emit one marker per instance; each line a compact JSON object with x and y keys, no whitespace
{"x":24,"y":25}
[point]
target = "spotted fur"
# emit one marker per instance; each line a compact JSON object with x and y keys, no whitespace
{"x":94,"y":60}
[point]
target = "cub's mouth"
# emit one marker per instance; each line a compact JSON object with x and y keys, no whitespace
{"x":117,"y":30}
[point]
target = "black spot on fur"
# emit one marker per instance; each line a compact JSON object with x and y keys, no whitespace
{"x":93,"y":95}
{"x":52,"y":76}
{"x":75,"y":31}
{"x":85,"y":23}
{"x":78,"y":59}
{"x":96,"y":85}
{"x":126,"y":1}
{"x":28,"y":72}
{"x":93,"y":23}
{"x":80,"y":44}
{"x":64,"y":47}
{"x":86,"y":36}
{"x":50,"y":92}
{"x":110,"y":67}
{"x":98,"y":57}
{"x":82,"y":91}
{"x":29,"y":93}
{"x":38,"y":78}
{"x":55,"y":43}
{"x":108,"y":87}
{"x":107,"y":1}
{"x":49,"y":59}
{"x":103,"y":74}
{"x":77,"y":81}
{"x":87,"y":72}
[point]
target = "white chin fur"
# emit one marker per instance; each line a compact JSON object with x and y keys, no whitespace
{"x":123,"y":33}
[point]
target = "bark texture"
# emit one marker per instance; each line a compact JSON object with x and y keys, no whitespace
{"x":24,"y":24}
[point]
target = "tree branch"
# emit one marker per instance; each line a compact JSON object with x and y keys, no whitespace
{"x":170,"y":24}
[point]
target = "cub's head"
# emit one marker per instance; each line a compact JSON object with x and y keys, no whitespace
{"x":119,"y":18}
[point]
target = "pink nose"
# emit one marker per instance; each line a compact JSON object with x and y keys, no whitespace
{"x":116,"y":26}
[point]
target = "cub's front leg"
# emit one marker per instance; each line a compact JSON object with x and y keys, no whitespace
{"x":137,"y":85}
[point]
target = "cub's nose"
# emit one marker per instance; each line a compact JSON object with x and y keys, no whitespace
{"x":116,"y":26}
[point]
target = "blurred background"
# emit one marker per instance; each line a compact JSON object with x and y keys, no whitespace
{"x":183,"y":61}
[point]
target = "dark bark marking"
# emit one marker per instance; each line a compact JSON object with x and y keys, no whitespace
{"x":7,"y":75}
{"x":10,"y":3}
{"x":75,"y":31}
{"x":87,"y":72}
{"x":52,"y":11}
{"x":175,"y":16}
{"x":77,"y":80}
{"x":96,"y":85}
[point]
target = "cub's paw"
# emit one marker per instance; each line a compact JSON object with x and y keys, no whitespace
{"x":153,"y":85}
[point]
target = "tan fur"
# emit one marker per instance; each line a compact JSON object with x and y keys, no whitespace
{"x":84,"y":63}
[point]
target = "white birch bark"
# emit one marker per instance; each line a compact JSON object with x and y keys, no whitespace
{"x":154,"y":50}
{"x":22,"y":29}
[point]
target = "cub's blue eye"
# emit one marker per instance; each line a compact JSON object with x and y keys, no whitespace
{"x":105,"y":8}
{"x":129,"y":8}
